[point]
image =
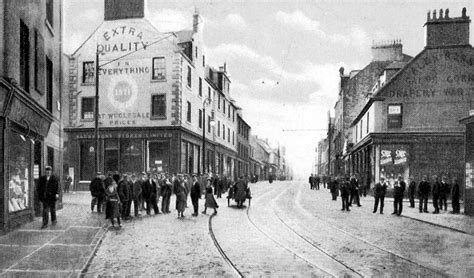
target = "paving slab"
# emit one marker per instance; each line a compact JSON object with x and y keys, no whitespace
{"x":28,"y":238}
{"x":56,"y":257}
{"x":11,"y":254}
{"x":77,"y":235}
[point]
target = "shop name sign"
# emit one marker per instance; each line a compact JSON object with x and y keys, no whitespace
{"x":127,"y":135}
{"x":125,"y":39}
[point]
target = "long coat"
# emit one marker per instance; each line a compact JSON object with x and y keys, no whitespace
{"x":112,"y":207}
{"x":97,"y":188}
{"x":181,"y":193}
{"x":124,"y":191}
{"x":48,"y":189}
{"x":380,"y":189}
{"x":240,"y":190}
{"x":210,"y":200}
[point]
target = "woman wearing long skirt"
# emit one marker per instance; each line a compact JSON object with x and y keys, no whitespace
{"x":181,"y":194}
{"x":112,"y":209}
{"x":210,"y":200}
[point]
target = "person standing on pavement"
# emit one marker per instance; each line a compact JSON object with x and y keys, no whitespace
{"x":210,"y":201}
{"x":399,"y":190}
{"x":112,"y":208}
{"x":48,"y":194}
{"x":150,"y":191}
{"x":67,"y":183}
{"x":379,"y":193}
{"x":345,"y":192}
{"x":424,"y":189}
{"x":195,"y":195}
{"x":334,"y":187}
{"x":436,"y":193}
{"x":166,"y":191}
{"x":125,"y":195}
{"x":455,"y":196}
{"x":136,"y":192}
{"x":180,"y":192}
{"x":444,"y":192}
{"x":97,"y":190}
{"x":411,"y":191}
{"x":354,"y":191}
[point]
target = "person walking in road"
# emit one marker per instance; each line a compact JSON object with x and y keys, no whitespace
{"x":455,"y":194}
{"x":436,"y":193}
{"x":195,"y":195}
{"x":240,"y":191}
{"x":210,"y":201}
{"x":424,"y":189}
{"x":399,"y":190}
{"x":444,"y":192}
{"x":97,"y":190}
{"x":354,"y":191}
{"x":379,"y":193}
{"x":48,"y":194}
{"x":112,"y":208}
{"x":411,"y":191}
{"x":67,"y":183}
{"x":180,"y":192}
{"x":345,"y":192}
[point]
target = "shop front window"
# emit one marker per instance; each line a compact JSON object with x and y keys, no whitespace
{"x":159,"y":156}
{"x":19,"y":167}
{"x":131,"y":155}
{"x":111,"y":155}
{"x":87,"y":160}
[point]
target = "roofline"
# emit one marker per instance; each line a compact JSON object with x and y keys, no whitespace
{"x":88,"y":38}
{"x":365,"y":108}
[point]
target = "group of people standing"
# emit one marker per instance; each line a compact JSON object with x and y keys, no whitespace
{"x":351,"y":191}
{"x":116,"y":193}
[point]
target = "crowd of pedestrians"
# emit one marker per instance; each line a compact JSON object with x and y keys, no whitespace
{"x":120,"y":194}
{"x":351,"y":191}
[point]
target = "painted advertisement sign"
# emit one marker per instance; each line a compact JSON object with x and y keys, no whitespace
{"x":394,"y":163}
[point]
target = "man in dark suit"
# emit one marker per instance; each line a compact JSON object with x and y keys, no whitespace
{"x":195,"y":195}
{"x":399,"y":190}
{"x":48,"y":193}
{"x":424,"y":189}
{"x":379,"y":193}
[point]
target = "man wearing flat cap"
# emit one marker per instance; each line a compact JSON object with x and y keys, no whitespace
{"x":97,"y":189}
{"x":48,"y":194}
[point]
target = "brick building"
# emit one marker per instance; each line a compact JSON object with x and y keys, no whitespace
{"x":153,"y":88}
{"x":30,"y":98}
{"x":409,"y":124}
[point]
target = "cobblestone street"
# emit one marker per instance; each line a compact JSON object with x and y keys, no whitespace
{"x":289,"y":230}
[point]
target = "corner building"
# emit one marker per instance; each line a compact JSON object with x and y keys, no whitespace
{"x":153,"y":90}
{"x":30,"y":105}
{"x":410,"y":124}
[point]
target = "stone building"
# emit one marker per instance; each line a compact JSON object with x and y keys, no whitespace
{"x":243,"y":146}
{"x":30,"y":102}
{"x":158,"y":100}
{"x":409,"y":125}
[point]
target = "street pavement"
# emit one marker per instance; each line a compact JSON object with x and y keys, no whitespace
{"x":289,"y":230}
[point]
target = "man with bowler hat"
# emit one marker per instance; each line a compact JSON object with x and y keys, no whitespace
{"x":48,"y":194}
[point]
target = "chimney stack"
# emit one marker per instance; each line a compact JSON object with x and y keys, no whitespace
{"x":444,"y":31}
{"x":387,"y":50}
{"x":196,"y":21}
{"x":123,"y":9}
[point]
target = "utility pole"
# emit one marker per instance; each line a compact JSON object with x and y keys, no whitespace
{"x":96,"y":114}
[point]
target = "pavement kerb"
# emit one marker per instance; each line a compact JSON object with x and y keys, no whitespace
{"x":96,"y":248}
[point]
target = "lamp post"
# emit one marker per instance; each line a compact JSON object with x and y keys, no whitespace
{"x":96,"y":111}
{"x":205,"y":101}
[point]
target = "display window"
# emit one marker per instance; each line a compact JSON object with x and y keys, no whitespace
{"x":394,"y":163}
{"x":131,"y":155}
{"x":19,"y":169}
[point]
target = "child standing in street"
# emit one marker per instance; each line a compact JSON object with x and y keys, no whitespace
{"x":210,"y":201}
{"x":112,"y":209}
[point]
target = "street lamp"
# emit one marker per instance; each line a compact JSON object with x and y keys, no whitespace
{"x":206,"y":101}
{"x":96,"y":110}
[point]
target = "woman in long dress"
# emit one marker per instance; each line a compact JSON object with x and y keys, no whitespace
{"x":181,"y":194}
{"x":210,"y":200}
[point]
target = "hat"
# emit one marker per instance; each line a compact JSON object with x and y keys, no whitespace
{"x":48,"y":168}
{"x":99,"y":173}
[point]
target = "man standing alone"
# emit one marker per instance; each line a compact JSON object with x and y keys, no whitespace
{"x":195,"y":195}
{"x":379,"y":191}
{"x":48,"y":193}
{"x":398,"y":196}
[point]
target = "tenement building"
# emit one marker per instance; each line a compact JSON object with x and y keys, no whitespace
{"x":409,"y":125}
{"x":30,"y":97}
{"x":159,"y":102}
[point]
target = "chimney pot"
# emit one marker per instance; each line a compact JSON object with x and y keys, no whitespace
{"x":434,"y":15}
{"x":440,"y":13}
{"x":446,"y":13}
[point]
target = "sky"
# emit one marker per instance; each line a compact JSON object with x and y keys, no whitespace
{"x":283,"y":57}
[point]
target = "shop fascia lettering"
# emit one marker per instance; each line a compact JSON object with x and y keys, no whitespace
{"x":137,"y":115}
{"x":121,"y":36}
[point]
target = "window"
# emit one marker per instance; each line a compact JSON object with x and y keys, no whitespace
{"x":219,"y":101}
{"x":50,"y":12}
{"x":87,"y":108}
{"x":361,"y":127}
{"x":233,"y":139}
{"x":200,"y":118}
{"x":50,"y":156}
{"x":209,"y":92}
{"x":228,"y":135}
{"x":159,"y":69}
{"x":200,"y":86}
{"x":49,"y":85}
{"x":188,"y":117}
{"x":368,"y":122}
{"x":88,"y":72}
{"x":233,"y":115}
{"x":158,"y":106}
{"x":223,"y":105}
{"x":189,"y":76}
{"x":218,"y":128}
{"x":223,"y":131}
{"x":394,"y":116}
{"x":24,"y":56}
{"x":39,"y":62}
{"x":228,"y":111}
{"x":19,"y":168}
{"x":203,"y":60}
{"x":196,"y":52}
{"x":208,"y":124}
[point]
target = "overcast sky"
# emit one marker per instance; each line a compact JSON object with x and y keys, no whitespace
{"x":283,"y":56}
